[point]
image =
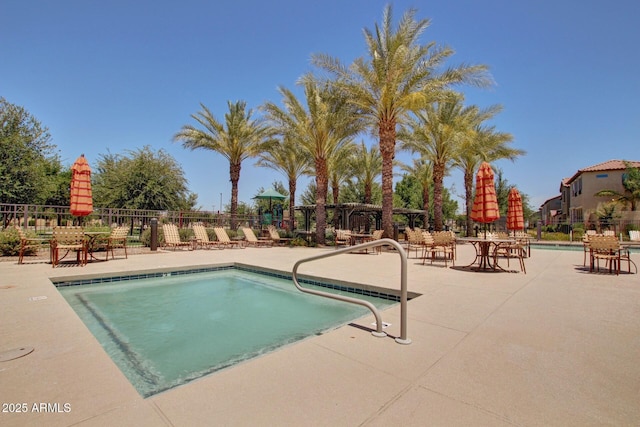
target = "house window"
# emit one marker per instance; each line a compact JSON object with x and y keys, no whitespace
{"x":602,"y":175}
{"x":580,"y":186}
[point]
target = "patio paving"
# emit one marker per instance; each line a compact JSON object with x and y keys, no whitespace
{"x":556,"y":346}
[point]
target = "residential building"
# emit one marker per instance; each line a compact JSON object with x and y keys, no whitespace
{"x":550,"y":211}
{"x":585,"y":183}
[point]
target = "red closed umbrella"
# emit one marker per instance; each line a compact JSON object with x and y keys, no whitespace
{"x":485,"y":205}
{"x":81,"y":197}
{"x":515,"y":216}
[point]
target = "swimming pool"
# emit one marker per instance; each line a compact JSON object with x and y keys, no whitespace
{"x":171,"y":328}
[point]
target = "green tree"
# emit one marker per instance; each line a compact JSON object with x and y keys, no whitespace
{"x":28,"y":162}
{"x":141,"y":179}
{"x":238,"y":138}
{"x":60,"y":182}
{"x":408,"y":191}
{"x":631,"y":185}
{"x":400,"y":75}
{"x":321,"y":129}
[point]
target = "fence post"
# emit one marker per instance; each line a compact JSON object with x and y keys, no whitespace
{"x":154,"y":234}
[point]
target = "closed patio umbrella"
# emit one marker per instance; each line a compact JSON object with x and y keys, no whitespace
{"x":485,"y":205}
{"x":81,"y":197}
{"x":515,"y":217}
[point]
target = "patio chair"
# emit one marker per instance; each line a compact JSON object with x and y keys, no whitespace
{"x":343,"y":237}
{"x":634,"y":235}
{"x":117,"y":239}
{"x":586,"y":249}
{"x":419,"y":240}
{"x":515,"y":250}
{"x":202,"y":237}
{"x":252,"y":240}
{"x":443,"y":243}
{"x":605,"y":248}
{"x":29,"y":244}
{"x":68,"y":239}
{"x":172,"y":237}
{"x":275,"y":236}
{"x":377,"y":235}
{"x":224,"y":239}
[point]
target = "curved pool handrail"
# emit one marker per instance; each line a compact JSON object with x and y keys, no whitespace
{"x":403,"y":285}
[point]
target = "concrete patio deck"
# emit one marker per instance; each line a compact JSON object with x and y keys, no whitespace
{"x":556,"y":346}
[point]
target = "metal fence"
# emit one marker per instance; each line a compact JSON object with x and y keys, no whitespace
{"x":41,"y":218}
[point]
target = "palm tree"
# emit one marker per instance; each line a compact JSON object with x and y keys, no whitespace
{"x":399,"y":76}
{"x":321,"y":129}
{"x":289,"y":158}
{"x":339,"y":167}
{"x":422,"y":170}
{"x":481,"y":143}
{"x":237,"y":139}
{"x":367,"y":167}
{"x":436,"y":133}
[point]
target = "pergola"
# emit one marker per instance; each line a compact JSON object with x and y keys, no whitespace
{"x":347,"y":212}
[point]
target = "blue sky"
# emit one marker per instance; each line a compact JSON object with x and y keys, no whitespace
{"x":119,"y":75}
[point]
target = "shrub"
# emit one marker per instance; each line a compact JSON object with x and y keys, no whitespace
{"x":298,"y":241}
{"x":9,"y":242}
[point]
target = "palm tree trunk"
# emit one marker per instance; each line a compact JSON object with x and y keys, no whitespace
{"x":234,"y":172}
{"x":292,"y":203}
{"x":367,"y":200}
{"x":468,"y":193}
{"x":322,"y":183}
{"x":438,"y":178}
{"x":425,"y":204}
{"x":335,"y":189}
{"x":387,"y":151}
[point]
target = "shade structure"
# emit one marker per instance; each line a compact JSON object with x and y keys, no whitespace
{"x":81,"y":197}
{"x":485,"y":205}
{"x":270,"y":195}
{"x":515,"y":216}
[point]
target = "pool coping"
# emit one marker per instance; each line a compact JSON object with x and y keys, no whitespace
{"x":341,"y":285}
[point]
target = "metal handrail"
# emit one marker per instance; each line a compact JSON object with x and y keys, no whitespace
{"x":403,"y":285}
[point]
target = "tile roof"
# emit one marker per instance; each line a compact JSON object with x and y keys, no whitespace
{"x":609,"y":165}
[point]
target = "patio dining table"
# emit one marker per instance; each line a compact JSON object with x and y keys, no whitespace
{"x":92,"y":237}
{"x":485,"y":248}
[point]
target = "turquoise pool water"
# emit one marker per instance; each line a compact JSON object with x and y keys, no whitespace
{"x":165,"y":331}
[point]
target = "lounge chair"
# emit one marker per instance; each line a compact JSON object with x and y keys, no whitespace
{"x":275,"y":236}
{"x":172,"y":237}
{"x":224,"y":239}
{"x":202,"y":237}
{"x":68,"y":239}
{"x":252,"y":240}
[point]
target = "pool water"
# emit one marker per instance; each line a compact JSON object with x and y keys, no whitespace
{"x":166,"y":331}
